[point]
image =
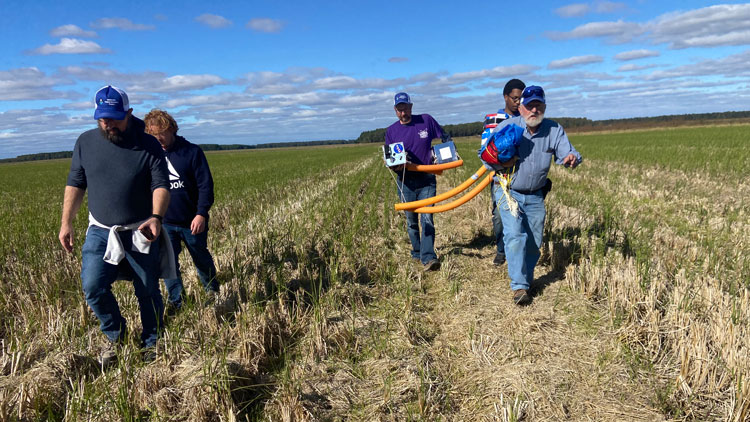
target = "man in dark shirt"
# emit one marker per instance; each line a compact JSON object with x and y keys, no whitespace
{"x":126,"y":177}
{"x":191,"y":189}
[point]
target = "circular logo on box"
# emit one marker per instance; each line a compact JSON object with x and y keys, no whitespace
{"x":398,"y":148}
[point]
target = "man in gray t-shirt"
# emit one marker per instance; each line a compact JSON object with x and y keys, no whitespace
{"x":126,"y":177}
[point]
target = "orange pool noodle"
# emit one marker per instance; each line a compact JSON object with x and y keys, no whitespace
{"x":464,"y":199}
{"x":429,"y":201}
{"x":430,"y":168}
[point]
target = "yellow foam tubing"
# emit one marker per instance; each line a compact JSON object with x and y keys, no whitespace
{"x":435,"y":199}
{"x":464,"y":199}
{"x":430,"y":168}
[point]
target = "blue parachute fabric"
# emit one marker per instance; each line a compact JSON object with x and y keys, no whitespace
{"x":506,"y":141}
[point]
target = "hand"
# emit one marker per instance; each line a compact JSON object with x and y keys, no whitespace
{"x":151,"y":228}
{"x":66,"y":237}
{"x":198,"y":225}
{"x":570,"y":161}
{"x":398,"y":168}
{"x":510,"y":163}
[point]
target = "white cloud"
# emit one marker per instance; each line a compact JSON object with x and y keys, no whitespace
{"x":30,"y":84}
{"x":726,"y":24}
{"x":720,"y":25}
{"x":120,"y":23}
{"x":144,"y":82}
{"x":636,"y":54}
{"x":732,"y":66}
{"x":265,"y":25}
{"x":70,"y":46}
{"x":179,"y":83}
{"x":109,"y":76}
{"x":581,"y":9}
{"x":307,"y":103}
{"x":574,"y":61}
{"x":72,"y":31}
{"x":634,"y":67}
{"x":78,"y":105}
{"x":336,"y":83}
{"x":609,"y":6}
{"x":616,"y":32}
{"x":572,"y":10}
{"x":213,"y":21}
{"x":398,"y":59}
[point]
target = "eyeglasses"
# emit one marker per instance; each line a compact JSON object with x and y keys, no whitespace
{"x":514,"y":99}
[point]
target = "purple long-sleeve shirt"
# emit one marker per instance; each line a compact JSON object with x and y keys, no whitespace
{"x":417,"y":137}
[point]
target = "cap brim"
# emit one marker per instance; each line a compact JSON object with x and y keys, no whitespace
{"x":534,"y":98}
{"x":109,"y":114}
{"x":401,"y":102}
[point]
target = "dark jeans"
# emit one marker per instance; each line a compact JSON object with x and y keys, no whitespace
{"x":197,"y":246}
{"x":414,"y":187}
{"x":497,"y":222}
{"x":97,"y":277}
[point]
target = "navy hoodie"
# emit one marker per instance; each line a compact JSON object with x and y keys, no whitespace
{"x":191,"y":187}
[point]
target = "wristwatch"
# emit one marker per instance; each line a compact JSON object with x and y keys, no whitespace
{"x":158,"y":217}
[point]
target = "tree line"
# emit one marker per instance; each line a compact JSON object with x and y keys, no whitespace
{"x":571,"y":124}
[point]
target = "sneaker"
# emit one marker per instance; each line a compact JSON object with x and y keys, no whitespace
{"x":521,"y":297}
{"x":433,"y":265}
{"x":108,"y":356}
{"x":499,"y":259}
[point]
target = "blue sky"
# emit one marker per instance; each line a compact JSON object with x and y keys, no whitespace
{"x":251,"y":72}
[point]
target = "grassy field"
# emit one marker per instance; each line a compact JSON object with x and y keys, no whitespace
{"x":641,"y":309}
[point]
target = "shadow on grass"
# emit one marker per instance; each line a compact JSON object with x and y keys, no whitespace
{"x":541,"y":283}
{"x":470,"y":248}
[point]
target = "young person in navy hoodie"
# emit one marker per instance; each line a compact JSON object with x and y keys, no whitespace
{"x":191,"y":188}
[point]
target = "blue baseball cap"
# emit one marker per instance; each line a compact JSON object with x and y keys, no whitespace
{"x":532,"y":93}
{"x":401,"y":97}
{"x":111,"y":103}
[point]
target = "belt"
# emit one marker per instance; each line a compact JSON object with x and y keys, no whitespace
{"x":527,"y":192}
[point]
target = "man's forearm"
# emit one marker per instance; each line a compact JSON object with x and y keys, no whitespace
{"x":160,"y":199}
{"x":72,"y":201}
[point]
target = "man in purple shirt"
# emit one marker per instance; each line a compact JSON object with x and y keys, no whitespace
{"x":417,"y":133}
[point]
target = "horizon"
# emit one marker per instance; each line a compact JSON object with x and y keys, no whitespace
{"x":250,"y":73}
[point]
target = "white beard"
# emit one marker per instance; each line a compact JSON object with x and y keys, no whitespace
{"x":534,"y":121}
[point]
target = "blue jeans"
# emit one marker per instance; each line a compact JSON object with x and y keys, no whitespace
{"x":522,"y":235}
{"x":417,"y":186}
{"x":197,"y":245}
{"x":97,"y":277}
{"x":497,"y":222}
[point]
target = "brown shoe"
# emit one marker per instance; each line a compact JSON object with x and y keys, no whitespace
{"x":521,"y":297}
{"x":433,"y":265}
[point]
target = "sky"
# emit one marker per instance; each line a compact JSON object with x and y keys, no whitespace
{"x":259,"y":71}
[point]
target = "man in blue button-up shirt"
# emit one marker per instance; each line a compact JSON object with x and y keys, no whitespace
{"x":543,"y":140}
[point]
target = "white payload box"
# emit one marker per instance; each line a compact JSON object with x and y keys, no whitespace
{"x":394,"y":154}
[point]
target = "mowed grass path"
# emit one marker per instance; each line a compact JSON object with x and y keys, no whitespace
{"x":641,"y":311}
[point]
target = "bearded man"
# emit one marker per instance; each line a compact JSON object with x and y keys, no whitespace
{"x":543,"y":140}
{"x":126,"y":176}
